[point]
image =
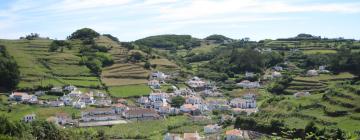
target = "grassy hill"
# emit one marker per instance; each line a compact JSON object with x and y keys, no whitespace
{"x":39,"y":67}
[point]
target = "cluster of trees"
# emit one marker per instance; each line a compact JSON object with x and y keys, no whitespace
{"x":42,"y":130}
{"x":9,"y":70}
{"x":59,"y":44}
{"x":192,"y":57}
{"x":94,"y":56}
{"x":168,"y":41}
{"x":237,"y":61}
{"x":280,"y":85}
{"x":177,"y":101}
{"x":311,"y":131}
{"x":345,"y":60}
{"x":83,"y":34}
{"x":31,"y":36}
{"x":218,"y":38}
{"x":301,"y":36}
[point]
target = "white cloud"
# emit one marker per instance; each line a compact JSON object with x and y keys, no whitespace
{"x":147,"y":17}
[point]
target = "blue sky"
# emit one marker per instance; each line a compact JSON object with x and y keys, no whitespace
{"x":133,"y":19}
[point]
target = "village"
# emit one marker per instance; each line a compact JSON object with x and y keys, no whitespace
{"x":200,"y":98}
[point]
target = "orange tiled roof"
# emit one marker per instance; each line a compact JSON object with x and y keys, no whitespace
{"x":233,"y":132}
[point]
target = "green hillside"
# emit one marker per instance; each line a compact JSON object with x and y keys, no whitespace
{"x":39,"y":67}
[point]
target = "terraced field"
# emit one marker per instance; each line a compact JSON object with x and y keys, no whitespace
{"x":338,"y":107}
{"x":316,"y":84}
{"x":122,"y":72}
{"x":39,"y":67}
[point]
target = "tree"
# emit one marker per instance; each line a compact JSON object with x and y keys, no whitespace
{"x":56,"y":44}
{"x":9,"y":70}
{"x":147,"y":65}
{"x":311,"y":128}
{"x":218,"y":38}
{"x":177,"y":101}
{"x":84,"y":33}
{"x":136,"y":56}
{"x":32,"y":36}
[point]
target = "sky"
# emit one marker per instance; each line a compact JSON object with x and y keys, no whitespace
{"x":134,"y":19}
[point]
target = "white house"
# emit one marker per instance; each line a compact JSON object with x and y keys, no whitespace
{"x":168,"y":110}
{"x":56,"y":89}
{"x":66,"y":99}
{"x":248,"y":84}
{"x":57,"y":103}
{"x":99,"y":114}
{"x":87,"y":98}
{"x":159,"y":75}
{"x":103,"y":102}
{"x":79,"y":105}
{"x":154,"y":84}
{"x":312,"y":73}
{"x":196,"y":83}
{"x":217,"y":104}
{"x":243,"y":103}
{"x":70,"y":88}
{"x":19,"y":96}
{"x":75,"y":93}
{"x":143,"y":100}
{"x":170,"y":136}
{"x":278,"y":68}
{"x":209,"y":129}
{"x":119,"y":108}
{"x":187,"y":108}
{"x":301,"y":94}
{"x":276,"y":74}
{"x":158,"y":96}
{"x":249,"y":74}
{"x":322,"y":69}
{"x":193,"y":100}
{"x":184,"y":92}
{"x":157,"y":104}
{"x":39,"y":93}
{"x":29,"y":117}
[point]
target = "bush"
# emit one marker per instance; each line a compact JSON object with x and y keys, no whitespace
{"x":56,"y":44}
{"x":84,"y":33}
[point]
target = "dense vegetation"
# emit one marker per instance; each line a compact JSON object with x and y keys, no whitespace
{"x":9,"y":72}
{"x":218,"y":38}
{"x":56,"y":44}
{"x":168,"y":41}
{"x":41,"y":130}
{"x":92,"y":55}
{"x":83,"y":34}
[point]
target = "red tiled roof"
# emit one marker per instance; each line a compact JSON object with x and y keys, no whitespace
{"x":233,"y":132}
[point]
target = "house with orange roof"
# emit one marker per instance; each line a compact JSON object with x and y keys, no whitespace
{"x":233,"y":134}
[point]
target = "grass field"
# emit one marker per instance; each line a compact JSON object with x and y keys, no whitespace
{"x":129,"y":90}
{"x":39,"y":67}
{"x":151,"y":129}
{"x":122,"y":72}
{"x":20,"y":110}
{"x":319,"y":51}
{"x":164,"y":65}
{"x":297,"y":112}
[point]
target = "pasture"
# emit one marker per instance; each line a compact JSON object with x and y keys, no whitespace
{"x":129,"y":90}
